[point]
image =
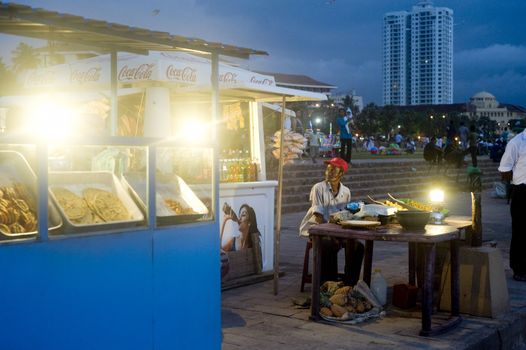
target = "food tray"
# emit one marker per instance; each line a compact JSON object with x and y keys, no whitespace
{"x":77,"y":181}
{"x":15,"y":169}
{"x":167,"y":187}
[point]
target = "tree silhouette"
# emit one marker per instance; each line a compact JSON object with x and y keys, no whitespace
{"x":25,"y":57}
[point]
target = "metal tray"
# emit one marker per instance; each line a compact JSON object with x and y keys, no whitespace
{"x":167,"y":187}
{"x":14,"y":168}
{"x":77,"y":181}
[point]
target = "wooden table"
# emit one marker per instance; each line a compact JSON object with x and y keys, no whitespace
{"x":427,"y":240}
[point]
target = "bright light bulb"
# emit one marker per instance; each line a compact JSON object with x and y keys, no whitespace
{"x":436,"y":196}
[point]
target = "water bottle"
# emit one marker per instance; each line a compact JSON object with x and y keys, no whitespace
{"x":379,"y":286}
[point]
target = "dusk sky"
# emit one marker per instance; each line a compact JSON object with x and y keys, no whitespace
{"x":334,"y":41}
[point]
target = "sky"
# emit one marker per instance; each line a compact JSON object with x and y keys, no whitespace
{"x":334,"y":41}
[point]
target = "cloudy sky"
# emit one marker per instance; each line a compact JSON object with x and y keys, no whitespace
{"x":334,"y":41}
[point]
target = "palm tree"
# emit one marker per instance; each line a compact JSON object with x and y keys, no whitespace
{"x":24,"y":57}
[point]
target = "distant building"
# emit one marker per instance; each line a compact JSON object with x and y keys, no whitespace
{"x":418,"y":56}
{"x":484,"y":104}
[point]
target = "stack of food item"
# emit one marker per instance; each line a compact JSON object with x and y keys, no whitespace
{"x":94,"y":206}
{"x":17,"y":210}
{"x":293,"y":145}
{"x":343,"y":303}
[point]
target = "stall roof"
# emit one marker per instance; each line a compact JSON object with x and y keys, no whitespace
{"x":22,"y":20}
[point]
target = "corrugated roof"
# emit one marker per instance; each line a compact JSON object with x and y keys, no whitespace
{"x":298,"y":80}
{"x":38,"y":23}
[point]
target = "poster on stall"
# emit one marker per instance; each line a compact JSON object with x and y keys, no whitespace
{"x":243,"y":233}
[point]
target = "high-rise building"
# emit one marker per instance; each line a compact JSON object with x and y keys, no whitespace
{"x":418,"y":56}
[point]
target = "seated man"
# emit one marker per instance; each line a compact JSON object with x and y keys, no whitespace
{"x":453,"y":155}
{"x":328,"y":197}
{"x":432,"y":153}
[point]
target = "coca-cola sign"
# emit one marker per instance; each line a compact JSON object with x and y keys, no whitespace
{"x":186,"y":74}
{"x":228,"y":78}
{"x":44,"y":78}
{"x":141,"y":72}
{"x":90,"y":75}
{"x":261,"y":81}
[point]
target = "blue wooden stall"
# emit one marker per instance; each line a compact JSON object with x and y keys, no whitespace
{"x":143,"y":287}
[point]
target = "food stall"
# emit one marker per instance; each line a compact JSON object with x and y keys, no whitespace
{"x":146,"y":274}
{"x":84,"y":265}
{"x":173,"y":89}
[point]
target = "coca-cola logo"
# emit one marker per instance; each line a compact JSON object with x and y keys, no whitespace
{"x":228,"y":78}
{"x":142,"y":72}
{"x":264,"y":81}
{"x":40,"y":78}
{"x":187,"y":74}
{"x":86,"y":76}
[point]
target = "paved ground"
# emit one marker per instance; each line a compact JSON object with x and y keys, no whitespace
{"x":254,"y":318}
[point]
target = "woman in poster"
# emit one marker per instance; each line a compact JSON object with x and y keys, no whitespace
{"x":239,"y":233}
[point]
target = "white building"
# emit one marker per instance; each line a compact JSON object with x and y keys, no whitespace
{"x":418,"y":56}
{"x":484,"y":104}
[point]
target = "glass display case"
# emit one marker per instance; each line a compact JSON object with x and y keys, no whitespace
{"x":103,"y":186}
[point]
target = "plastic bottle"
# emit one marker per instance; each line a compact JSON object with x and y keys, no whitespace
{"x":379,"y":286}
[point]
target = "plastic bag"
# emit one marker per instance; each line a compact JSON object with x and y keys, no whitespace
{"x":499,"y":189}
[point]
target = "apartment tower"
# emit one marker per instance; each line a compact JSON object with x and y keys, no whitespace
{"x":418,"y":56}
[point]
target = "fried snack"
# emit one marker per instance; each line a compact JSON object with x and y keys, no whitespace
{"x":75,"y":207}
{"x":178,"y":208}
{"x":338,"y":310}
{"x":324,"y":311}
{"x":4,"y":228}
{"x":343,"y":290}
{"x":16,"y":228}
{"x":106,"y":205}
{"x":331,"y":286}
{"x":16,"y":210}
{"x":339,"y":299}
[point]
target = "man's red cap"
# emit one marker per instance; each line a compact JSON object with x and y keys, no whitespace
{"x":338,"y":162}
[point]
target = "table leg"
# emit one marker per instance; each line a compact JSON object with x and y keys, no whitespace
{"x":455,"y":278}
{"x":427,"y":290}
{"x":412,"y":263}
{"x":349,"y":248}
{"x":368,"y":261}
{"x":316,"y":270}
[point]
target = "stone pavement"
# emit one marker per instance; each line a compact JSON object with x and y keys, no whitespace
{"x":254,"y":318}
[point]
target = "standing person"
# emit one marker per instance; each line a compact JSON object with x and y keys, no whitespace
{"x":513,"y":168}
{"x":344,"y":122}
{"x":398,"y":139}
{"x":314,"y":144}
{"x":328,"y":197}
{"x":473,"y":145}
{"x":451,"y":133}
{"x":463,"y":132}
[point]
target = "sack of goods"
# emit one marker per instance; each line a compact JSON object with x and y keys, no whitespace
{"x":293,"y":145}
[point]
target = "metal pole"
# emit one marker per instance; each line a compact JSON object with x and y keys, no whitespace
{"x":214,"y":79}
{"x":114,"y":96}
{"x":277,"y":234}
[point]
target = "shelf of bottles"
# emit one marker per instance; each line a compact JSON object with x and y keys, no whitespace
{"x":237,"y":166}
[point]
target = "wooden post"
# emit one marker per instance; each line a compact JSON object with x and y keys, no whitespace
{"x":277,"y":234}
{"x":475,"y":182}
{"x":476,"y":218}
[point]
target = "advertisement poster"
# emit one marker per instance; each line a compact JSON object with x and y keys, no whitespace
{"x":246,"y":236}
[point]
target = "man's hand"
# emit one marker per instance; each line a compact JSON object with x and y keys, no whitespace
{"x":506,"y":176}
{"x":319,"y":218}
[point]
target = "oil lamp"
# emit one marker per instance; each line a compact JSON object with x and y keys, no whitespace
{"x":437,"y":198}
